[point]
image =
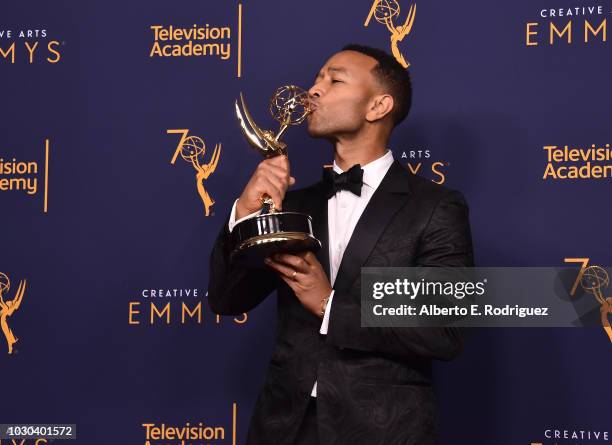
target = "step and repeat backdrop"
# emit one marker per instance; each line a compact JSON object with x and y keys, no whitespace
{"x":121,"y":156}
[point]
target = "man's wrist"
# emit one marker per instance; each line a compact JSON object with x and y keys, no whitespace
{"x":234,"y":220}
{"x":241,"y":211}
{"x":323,"y":305}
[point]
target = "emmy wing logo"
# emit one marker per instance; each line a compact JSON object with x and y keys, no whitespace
{"x":192,"y":149}
{"x":8,"y":308}
{"x":594,"y":279}
{"x":386,"y":12}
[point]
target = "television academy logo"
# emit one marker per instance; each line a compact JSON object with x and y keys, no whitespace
{"x":594,"y":280}
{"x":386,"y":12}
{"x":28,"y":45}
{"x":9,"y":307}
{"x":565,"y":162}
{"x":177,"y":41}
{"x":18,"y":175}
{"x":193,"y":149}
{"x":198,"y":40}
{"x":192,"y":433}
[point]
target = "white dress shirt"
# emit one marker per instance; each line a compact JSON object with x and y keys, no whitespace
{"x":343,"y":211}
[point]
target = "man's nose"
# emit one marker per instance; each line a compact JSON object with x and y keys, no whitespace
{"x":314,"y":92}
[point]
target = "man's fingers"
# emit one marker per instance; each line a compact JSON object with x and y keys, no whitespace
{"x":280,"y":161}
{"x":276,"y":182}
{"x":275,"y":169}
{"x":273,"y":191}
{"x":294,"y":261}
{"x":278,"y":172}
{"x":283,"y":269}
{"x":309,"y":257}
{"x":270,"y":178}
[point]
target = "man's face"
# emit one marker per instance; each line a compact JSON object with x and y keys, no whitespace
{"x":341,"y":95}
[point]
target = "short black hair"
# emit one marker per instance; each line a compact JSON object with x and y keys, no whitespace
{"x":392,"y":76}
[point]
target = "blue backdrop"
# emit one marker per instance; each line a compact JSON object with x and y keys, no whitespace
{"x":113,"y":222}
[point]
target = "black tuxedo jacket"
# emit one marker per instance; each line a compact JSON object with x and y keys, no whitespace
{"x":374,"y":384}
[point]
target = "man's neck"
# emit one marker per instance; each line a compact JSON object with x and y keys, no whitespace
{"x":347,"y":154}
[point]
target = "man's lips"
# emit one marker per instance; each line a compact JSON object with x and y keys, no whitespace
{"x":313,"y":107}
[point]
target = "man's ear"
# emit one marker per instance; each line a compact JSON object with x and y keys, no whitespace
{"x":380,"y":106}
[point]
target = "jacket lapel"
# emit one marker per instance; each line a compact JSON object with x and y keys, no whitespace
{"x":389,"y":197}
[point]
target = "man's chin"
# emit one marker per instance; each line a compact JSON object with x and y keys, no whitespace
{"x":315,"y":132}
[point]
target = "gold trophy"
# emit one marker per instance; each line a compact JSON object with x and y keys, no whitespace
{"x":271,"y":232}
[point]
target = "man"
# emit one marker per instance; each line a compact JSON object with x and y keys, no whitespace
{"x":331,"y":381}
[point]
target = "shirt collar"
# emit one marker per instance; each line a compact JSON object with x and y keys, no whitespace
{"x":374,"y":171}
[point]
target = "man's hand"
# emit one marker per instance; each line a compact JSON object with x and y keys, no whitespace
{"x":271,"y":177}
{"x":304,"y":274}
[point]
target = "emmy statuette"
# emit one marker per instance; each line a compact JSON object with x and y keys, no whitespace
{"x":272,"y":231}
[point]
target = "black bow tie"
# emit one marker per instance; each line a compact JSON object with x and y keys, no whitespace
{"x":350,"y":180}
